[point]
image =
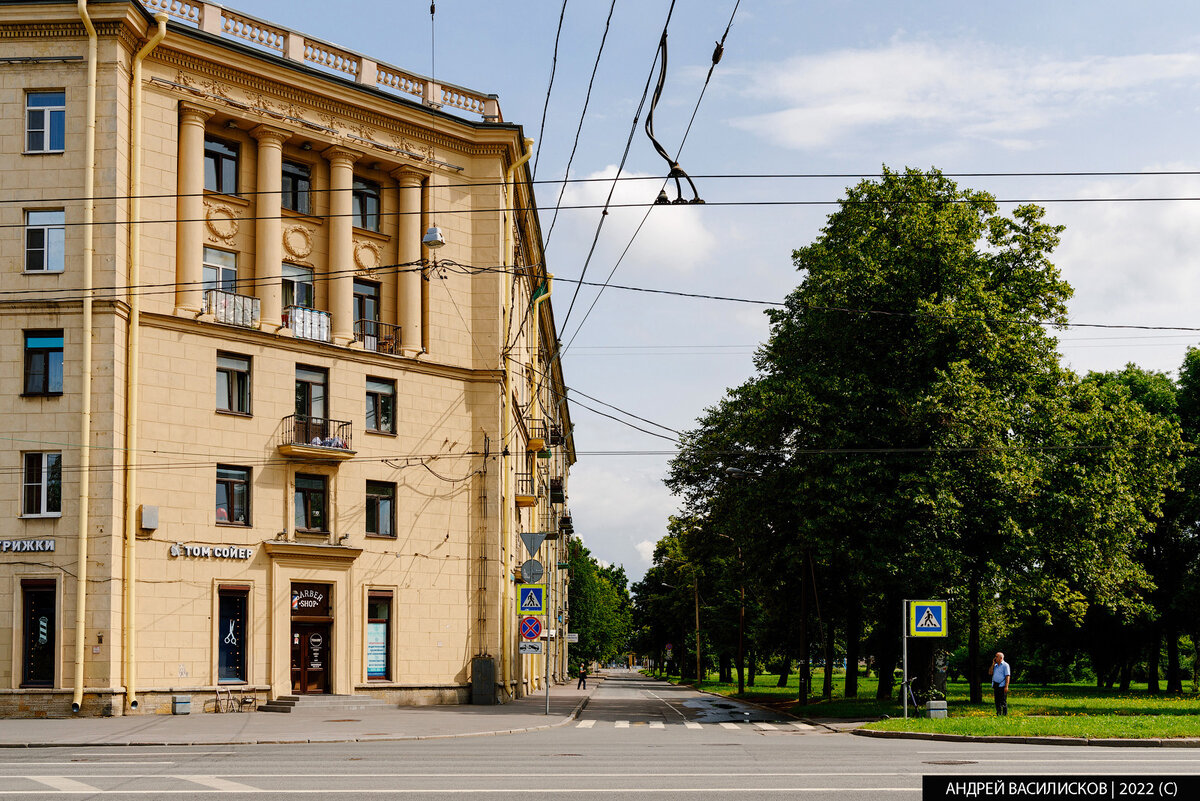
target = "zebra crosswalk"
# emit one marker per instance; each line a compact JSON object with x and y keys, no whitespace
{"x":778,"y":726}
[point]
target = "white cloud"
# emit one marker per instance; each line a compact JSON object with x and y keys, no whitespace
{"x":645,"y":549}
{"x":948,"y":92}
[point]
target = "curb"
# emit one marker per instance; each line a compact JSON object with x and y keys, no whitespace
{"x":1104,"y":742}
{"x":572,"y":715}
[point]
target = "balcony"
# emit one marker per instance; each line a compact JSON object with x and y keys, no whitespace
{"x":378,"y":337}
{"x":537,"y":436}
{"x":565,"y":525}
{"x":557,"y":492}
{"x":308,"y":323}
{"x":231,"y":308}
{"x":526,"y":492}
{"x":316,"y":439}
{"x":556,"y":434}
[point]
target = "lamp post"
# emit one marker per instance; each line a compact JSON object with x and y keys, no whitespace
{"x":696,"y":601}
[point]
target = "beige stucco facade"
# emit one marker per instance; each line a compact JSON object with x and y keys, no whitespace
{"x":256,"y":547}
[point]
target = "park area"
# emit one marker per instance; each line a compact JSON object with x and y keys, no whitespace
{"x":1053,"y":710}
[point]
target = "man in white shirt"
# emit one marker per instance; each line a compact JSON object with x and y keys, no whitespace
{"x":1001,"y":674}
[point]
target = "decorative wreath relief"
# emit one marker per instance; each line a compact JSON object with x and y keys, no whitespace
{"x":297,"y":241}
{"x":366,"y":255}
{"x":221,"y":221}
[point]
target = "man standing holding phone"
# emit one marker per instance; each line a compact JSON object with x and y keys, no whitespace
{"x":1001,"y":675}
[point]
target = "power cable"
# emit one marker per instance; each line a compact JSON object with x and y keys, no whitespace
{"x":545,"y":106}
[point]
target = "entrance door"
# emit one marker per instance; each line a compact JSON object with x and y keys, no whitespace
{"x":310,"y":658}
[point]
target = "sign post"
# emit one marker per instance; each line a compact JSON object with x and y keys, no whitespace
{"x":921,"y":619}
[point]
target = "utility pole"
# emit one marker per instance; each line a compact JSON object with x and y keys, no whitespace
{"x":696,"y":597}
{"x":802,"y":696}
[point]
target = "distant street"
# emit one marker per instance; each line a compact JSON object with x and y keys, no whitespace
{"x":637,"y":736}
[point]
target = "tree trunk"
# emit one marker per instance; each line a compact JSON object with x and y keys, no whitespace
{"x":785,"y":669}
{"x":885,"y":661}
{"x":1152,"y":658}
{"x":803,"y":667}
{"x":750,"y":656}
{"x":1174,"y":677}
{"x":1126,"y":676}
{"x":725,"y":671}
{"x":853,"y":635}
{"x":974,"y":664}
{"x":827,"y":682}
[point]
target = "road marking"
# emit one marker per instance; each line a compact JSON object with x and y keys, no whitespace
{"x":691,"y":724}
{"x":766,"y":726}
{"x":657,"y":724}
{"x":217,"y":783}
{"x":126,"y":753}
{"x":64,"y":785}
{"x":77,"y":762}
{"x":804,"y":726}
{"x":733,"y":726}
{"x":399,"y":791}
{"x":622,"y":724}
{"x":586,"y":724}
{"x":668,"y":703}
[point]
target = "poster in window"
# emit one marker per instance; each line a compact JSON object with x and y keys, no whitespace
{"x":377,"y":651}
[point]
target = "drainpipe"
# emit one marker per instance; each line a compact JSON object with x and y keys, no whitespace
{"x":85,"y":398}
{"x":536,"y":403}
{"x":505,"y":413}
{"x":129,"y":630}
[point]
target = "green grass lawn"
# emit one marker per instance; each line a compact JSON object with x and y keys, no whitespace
{"x":1069,"y":710}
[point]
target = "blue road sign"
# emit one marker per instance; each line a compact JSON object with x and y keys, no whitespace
{"x":927,"y":619}
{"x":531,"y":599}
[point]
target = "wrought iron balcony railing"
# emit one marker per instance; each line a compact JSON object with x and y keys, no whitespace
{"x":377,"y":336}
{"x":316,"y":437}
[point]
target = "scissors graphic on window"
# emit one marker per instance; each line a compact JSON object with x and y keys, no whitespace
{"x":231,"y":638}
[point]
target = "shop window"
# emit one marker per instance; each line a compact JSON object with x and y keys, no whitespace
{"x":45,"y":122}
{"x":39,"y":628}
{"x":44,"y":362}
{"x":365,"y":196}
{"x":45,"y":241}
{"x":232,"y":603}
{"x":220,"y":166}
{"x":233,"y":495}
{"x":379,"y":636}
{"x":42,"y":485}
{"x":381,"y":406}
{"x":233,"y":383}
{"x":310,"y":503}
{"x":297,"y":186}
{"x":381,"y":509}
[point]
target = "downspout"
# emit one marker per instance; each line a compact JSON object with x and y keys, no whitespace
{"x":536,"y":403}
{"x":505,"y":414}
{"x":85,"y":397}
{"x":129,"y":630}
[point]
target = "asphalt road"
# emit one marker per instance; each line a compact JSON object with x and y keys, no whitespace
{"x":636,"y":738}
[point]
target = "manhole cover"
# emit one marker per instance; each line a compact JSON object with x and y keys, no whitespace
{"x":951,"y":762}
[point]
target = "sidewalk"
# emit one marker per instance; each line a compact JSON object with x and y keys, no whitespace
{"x":329,"y":726}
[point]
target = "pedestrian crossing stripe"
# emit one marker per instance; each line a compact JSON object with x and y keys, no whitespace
{"x":927,"y":619}
{"x":531,"y":599}
{"x":748,"y":726}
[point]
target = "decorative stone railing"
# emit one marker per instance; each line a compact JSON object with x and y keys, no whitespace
{"x":289,"y":44}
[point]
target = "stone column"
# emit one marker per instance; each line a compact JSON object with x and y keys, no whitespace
{"x":189,"y":231}
{"x":408,"y":284}
{"x":268,"y":240}
{"x":341,"y":243}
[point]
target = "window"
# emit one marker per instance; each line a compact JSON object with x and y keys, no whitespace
{"x":233,"y":495}
{"x":381,"y":509}
{"x":231,"y":634}
{"x":310,"y":503}
{"x":42,"y":485}
{"x":297,"y":286}
{"x":220,"y":270}
{"x":44,"y":362}
{"x":45,"y":241}
{"x":45,"y":122}
{"x":379,"y":640}
{"x":233,"y":383}
{"x":310,"y":391}
{"x":366,"y":204}
{"x":37,"y":642}
{"x":381,"y":406}
{"x":297,"y":184}
{"x":220,"y":166}
{"x":366,"y":300}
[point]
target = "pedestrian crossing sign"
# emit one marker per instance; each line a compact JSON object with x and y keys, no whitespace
{"x":928,"y":619}
{"x":531,"y":599}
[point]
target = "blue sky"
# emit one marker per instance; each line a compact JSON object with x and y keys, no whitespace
{"x":814,"y":88}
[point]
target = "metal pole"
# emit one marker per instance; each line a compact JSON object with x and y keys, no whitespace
{"x":546,"y":659}
{"x":696,"y":595}
{"x":904,"y":650}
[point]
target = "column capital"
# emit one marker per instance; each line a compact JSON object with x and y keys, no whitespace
{"x":190,"y":112}
{"x":408,"y":176}
{"x":270,"y":135}
{"x":335,"y":154}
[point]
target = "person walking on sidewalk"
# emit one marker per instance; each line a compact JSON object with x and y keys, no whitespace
{"x":1001,"y":675}
{"x":582,"y":676}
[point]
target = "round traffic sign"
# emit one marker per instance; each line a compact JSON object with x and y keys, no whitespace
{"x":531,"y":571}
{"x":531,"y":628}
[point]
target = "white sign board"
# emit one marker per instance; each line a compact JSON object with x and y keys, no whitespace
{"x":530,"y":648}
{"x":572,"y":638}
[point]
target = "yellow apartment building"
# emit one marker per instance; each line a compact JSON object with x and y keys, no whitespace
{"x":281,"y":390}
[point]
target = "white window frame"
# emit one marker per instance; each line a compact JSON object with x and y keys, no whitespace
{"x":43,"y":483}
{"x":46,"y":115}
{"x":210,"y":262}
{"x":47,"y":230}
